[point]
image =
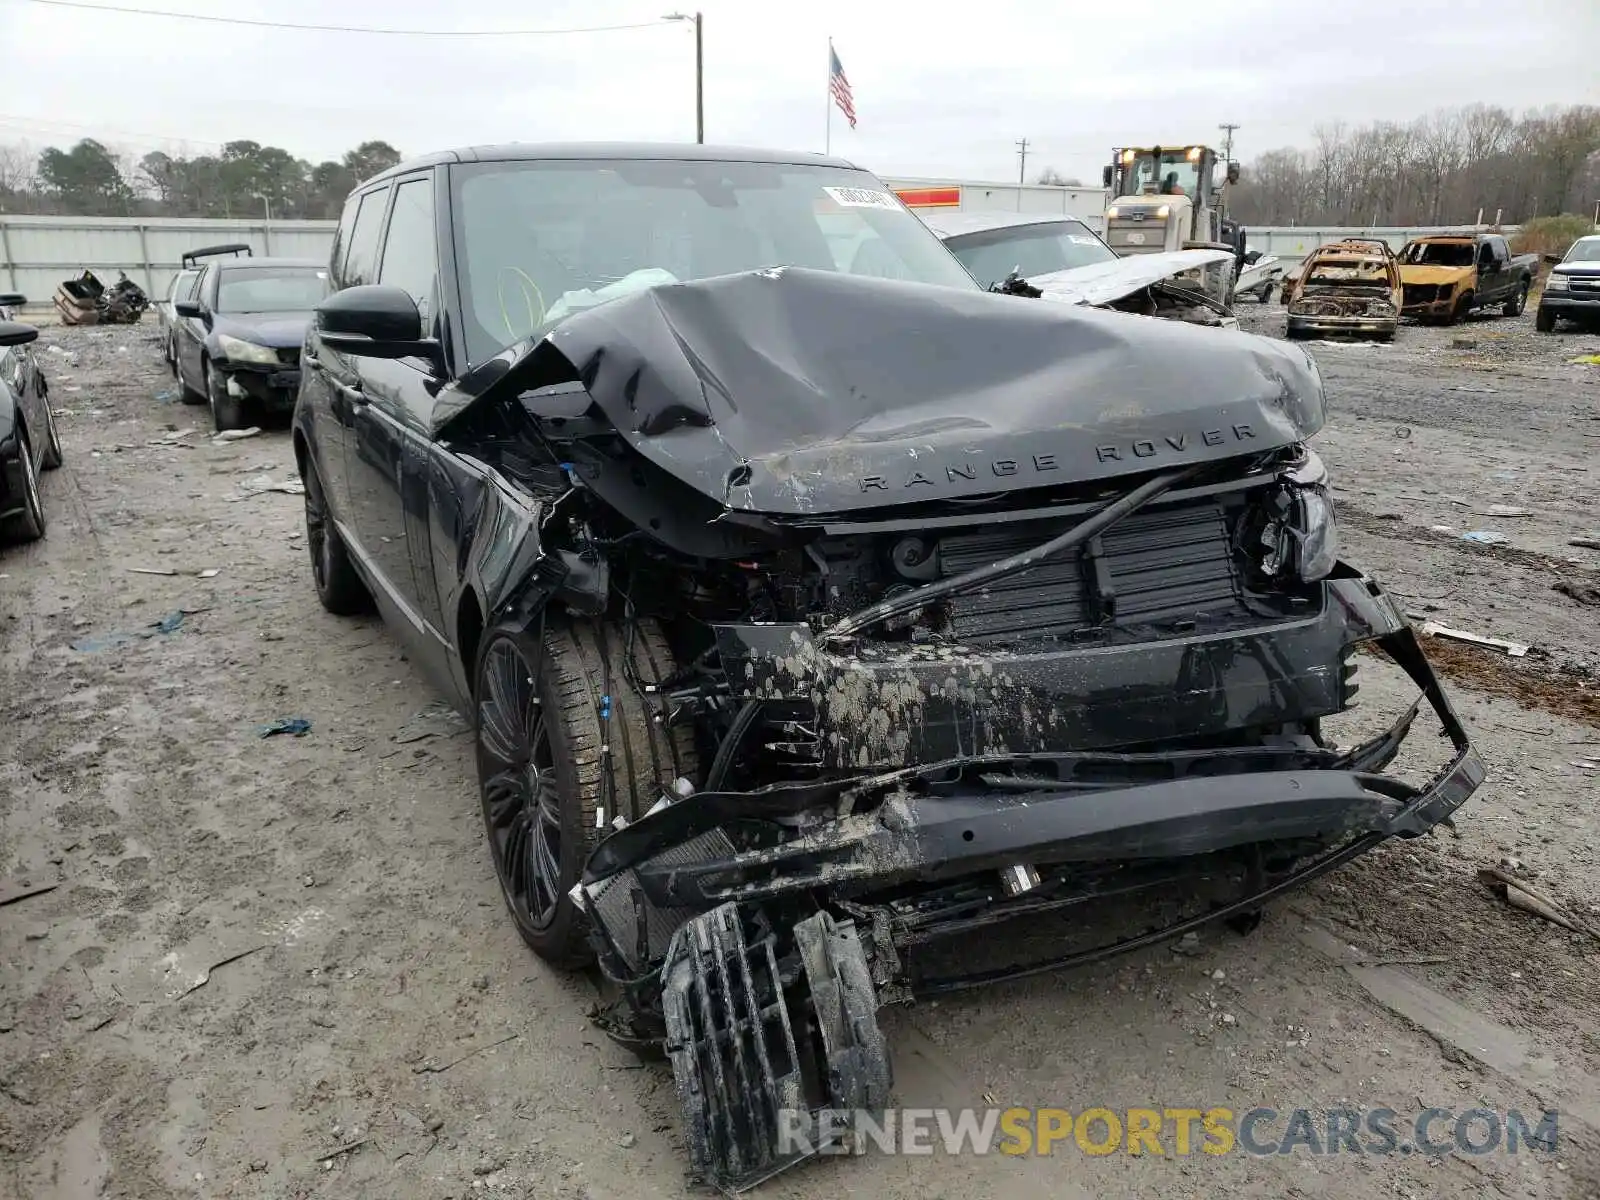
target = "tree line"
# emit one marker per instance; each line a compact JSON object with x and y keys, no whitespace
{"x":1439,"y":169}
{"x":243,"y":179}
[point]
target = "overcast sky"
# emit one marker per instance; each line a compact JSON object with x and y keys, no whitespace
{"x":941,"y":89}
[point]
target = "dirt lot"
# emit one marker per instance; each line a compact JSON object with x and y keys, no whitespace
{"x":278,"y":966}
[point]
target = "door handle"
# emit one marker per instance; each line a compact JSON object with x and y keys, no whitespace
{"x":354,"y":394}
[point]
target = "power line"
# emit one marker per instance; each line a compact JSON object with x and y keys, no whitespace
{"x":447,"y":33}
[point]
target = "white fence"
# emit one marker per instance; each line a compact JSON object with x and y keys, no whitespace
{"x":37,"y":253}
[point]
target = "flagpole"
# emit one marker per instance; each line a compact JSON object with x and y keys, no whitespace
{"x":827,"y":96}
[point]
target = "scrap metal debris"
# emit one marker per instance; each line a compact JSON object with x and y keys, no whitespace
{"x":87,"y":301}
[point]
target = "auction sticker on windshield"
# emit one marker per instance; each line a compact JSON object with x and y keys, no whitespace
{"x":849,"y":197}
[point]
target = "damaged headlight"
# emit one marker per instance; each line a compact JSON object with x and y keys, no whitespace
{"x":238,"y":350}
{"x":1294,"y":535}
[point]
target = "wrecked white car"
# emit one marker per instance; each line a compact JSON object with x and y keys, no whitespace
{"x":1055,"y":257}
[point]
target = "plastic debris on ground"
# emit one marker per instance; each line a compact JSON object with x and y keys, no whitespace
{"x":293,"y":726}
{"x":261,"y":484}
{"x":1434,"y":629}
{"x":437,"y":720}
{"x":170,"y":623}
{"x":237,"y":435}
{"x":1507,"y":510}
{"x":1520,"y":893}
{"x":1485,"y":537}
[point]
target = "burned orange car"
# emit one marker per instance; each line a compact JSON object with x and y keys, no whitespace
{"x":1349,"y":287}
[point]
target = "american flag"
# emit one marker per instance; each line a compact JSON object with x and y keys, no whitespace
{"x":839,"y":88}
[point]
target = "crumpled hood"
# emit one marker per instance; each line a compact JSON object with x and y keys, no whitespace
{"x":1429,"y":273}
{"x":279,"y":330}
{"x":791,"y":391}
{"x":1106,"y":282}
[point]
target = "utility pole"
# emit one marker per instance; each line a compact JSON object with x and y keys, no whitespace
{"x":1227,"y":145}
{"x":699,"y":71}
{"x":1227,"y":157}
{"x":1022,"y":160}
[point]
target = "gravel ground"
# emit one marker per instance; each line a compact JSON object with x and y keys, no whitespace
{"x":279,"y":967}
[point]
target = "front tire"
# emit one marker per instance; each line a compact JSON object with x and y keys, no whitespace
{"x":1544,"y":320}
{"x":27,"y":525}
{"x":1459,"y":313}
{"x":1518,"y":302}
{"x":565,"y":745}
{"x":339,"y":588}
{"x":52,"y":457}
{"x":227,"y":412}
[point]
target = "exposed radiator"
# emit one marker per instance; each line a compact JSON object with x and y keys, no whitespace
{"x":1159,"y":567}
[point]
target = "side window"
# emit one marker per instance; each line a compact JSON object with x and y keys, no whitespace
{"x":410,"y":259}
{"x":191,"y":286}
{"x":361,"y":255}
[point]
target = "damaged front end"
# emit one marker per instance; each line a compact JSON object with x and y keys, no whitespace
{"x":962,"y":638}
{"x":1349,"y":288}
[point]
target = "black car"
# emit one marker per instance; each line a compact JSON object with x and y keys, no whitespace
{"x":181,"y":288}
{"x":813,"y":605}
{"x":28,"y":440}
{"x":239,"y":335}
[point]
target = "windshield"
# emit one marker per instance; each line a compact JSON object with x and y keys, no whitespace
{"x":1438,"y":254}
{"x":1588,"y":250}
{"x":1173,"y":173}
{"x":1028,"y":250}
{"x":271,"y":289}
{"x":538,"y":241}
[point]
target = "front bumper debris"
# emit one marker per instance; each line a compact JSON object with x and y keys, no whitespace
{"x":1336,"y":325}
{"x":755,"y":939}
{"x":274,"y":385}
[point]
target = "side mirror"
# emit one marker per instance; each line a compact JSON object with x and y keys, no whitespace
{"x":1233,"y":172}
{"x":14,"y":333}
{"x":188,"y":308}
{"x":1105,"y":176}
{"x":375,"y":321}
{"x":12,"y":299}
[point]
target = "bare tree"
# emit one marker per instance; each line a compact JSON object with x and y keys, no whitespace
{"x":16,"y":169}
{"x":1445,"y":167}
{"x":1054,"y":178}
